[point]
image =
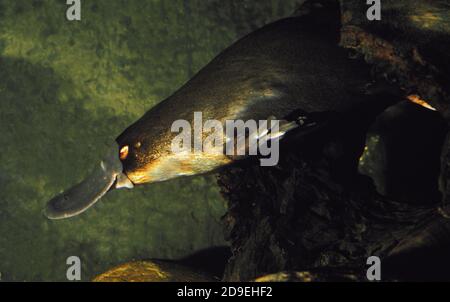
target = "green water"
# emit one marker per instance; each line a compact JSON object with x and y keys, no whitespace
{"x":67,"y":89}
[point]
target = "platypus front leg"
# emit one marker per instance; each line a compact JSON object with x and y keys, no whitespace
{"x":270,"y":131}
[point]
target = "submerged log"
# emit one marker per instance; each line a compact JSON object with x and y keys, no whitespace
{"x":315,"y":210}
{"x":409,"y":46}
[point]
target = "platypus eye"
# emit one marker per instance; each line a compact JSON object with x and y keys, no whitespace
{"x":123,"y":153}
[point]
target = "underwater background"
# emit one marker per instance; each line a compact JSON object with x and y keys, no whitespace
{"x":67,"y":90}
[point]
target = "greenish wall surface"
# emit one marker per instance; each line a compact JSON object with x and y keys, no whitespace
{"x":67,"y":89}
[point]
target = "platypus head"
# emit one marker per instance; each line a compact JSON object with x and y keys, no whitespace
{"x":128,"y":162}
{"x":141,"y":154}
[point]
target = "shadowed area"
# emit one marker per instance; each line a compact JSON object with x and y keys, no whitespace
{"x":403,"y":153}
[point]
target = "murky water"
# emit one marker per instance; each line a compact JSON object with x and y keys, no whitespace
{"x":67,"y":89}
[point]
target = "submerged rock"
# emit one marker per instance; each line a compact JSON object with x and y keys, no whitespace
{"x":152,"y":271}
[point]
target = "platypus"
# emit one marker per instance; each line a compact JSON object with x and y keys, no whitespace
{"x":282,"y":67}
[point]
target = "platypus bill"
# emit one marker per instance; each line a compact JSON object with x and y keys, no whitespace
{"x":83,"y":195}
{"x":274,"y":71}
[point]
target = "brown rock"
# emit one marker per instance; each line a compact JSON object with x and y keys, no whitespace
{"x":152,"y":271}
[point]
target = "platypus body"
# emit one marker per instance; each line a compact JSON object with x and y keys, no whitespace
{"x":282,"y":67}
{"x":271,"y":72}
